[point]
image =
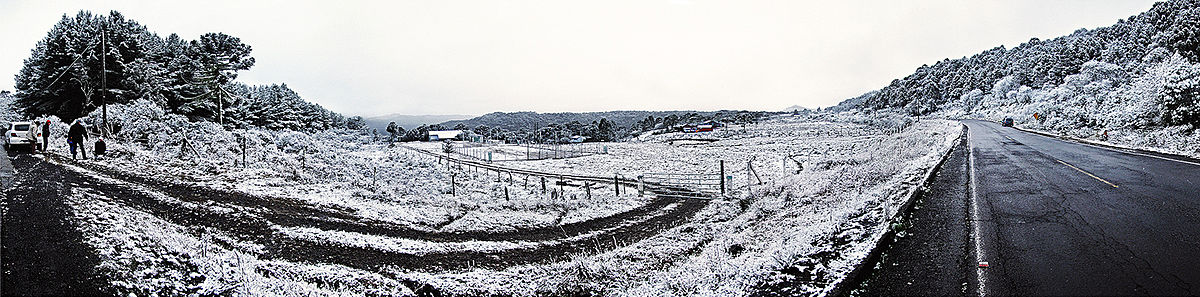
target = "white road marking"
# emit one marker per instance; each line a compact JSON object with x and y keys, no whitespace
{"x":1088,"y":173}
{"x":979,"y":272}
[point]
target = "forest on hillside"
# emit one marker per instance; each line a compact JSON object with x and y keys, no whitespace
{"x":88,"y":61}
{"x":1139,"y":73}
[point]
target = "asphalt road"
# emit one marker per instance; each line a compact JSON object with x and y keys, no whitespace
{"x":1053,"y":217}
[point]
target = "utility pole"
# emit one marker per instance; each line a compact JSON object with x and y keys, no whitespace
{"x":104,"y":78}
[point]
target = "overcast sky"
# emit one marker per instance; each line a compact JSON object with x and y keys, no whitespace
{"x":474,"y":57}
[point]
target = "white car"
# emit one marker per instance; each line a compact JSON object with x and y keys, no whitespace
{"x":21,"y":133}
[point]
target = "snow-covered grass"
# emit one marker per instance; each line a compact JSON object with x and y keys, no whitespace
{"x":144,"y":255}
{"x":341,"y":170}
{"x":802,"y":228}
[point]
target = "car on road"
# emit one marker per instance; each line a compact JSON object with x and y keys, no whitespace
{"x":21,"y":134}
{"x":1007,"y":122}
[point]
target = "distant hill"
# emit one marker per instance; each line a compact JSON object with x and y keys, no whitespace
{"x":528,"y":119}
{"x":410,"y":121}
{"x":794,"y":108}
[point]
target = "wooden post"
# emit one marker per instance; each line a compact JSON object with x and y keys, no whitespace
{"x":641,"y":186}
{"x":587,"y":188}
{"x":452,"y":184}
{"x":722,"y":163}
{"x":543,"y":185}
{"x":506,"y":194}
{"x":560,"y":183}
{"x":617,"y":184}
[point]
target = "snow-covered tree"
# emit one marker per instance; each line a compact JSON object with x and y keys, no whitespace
{"x":218,"y":58}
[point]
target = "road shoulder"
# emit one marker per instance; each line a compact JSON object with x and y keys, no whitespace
{"x":929,"y":254}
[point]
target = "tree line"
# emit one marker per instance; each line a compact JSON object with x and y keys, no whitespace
{"x":1134,"y":45}
{"x":89,"y":60}
{"x":602,"y":130}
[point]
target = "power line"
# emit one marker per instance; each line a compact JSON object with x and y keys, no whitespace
{"x":60,"y":74}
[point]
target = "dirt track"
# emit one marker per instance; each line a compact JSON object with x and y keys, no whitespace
{"x":258,"y":215}
{"x":41,"y":252}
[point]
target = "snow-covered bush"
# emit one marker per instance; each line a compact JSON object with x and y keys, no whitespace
{"x":8,"y":111}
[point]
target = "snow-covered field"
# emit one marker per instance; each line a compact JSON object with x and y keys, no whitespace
{"x":803,"y":231}
{"x":401,"y":231}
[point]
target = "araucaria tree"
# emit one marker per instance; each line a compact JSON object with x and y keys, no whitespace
{"x":218,"y":58}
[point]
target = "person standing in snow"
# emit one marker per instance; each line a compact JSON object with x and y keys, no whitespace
{"x":75,"y":137}
{"x":45,"y":135}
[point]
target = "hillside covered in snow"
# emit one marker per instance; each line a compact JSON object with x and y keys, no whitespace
{"x":1134,"y":83}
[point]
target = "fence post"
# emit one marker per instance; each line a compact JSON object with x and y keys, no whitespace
{"x":560,"y":183}
{"x":543,"y":185}
{"x":722,"y":162}
{"x":641,"y":186}
{"x":506,"y":194}
{"x":452,"y":183}
{"x":587,"y":188}
{"x":617,"y":184}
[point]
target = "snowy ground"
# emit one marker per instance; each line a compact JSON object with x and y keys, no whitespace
{"x":328,"y":214}
{"x":804,"y":229}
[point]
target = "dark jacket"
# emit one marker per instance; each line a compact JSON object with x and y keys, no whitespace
{"x":77,"y":134}
{"x":100,"y":147}
{"x":46,"y":129}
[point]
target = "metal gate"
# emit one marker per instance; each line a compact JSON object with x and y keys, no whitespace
{"x":684,"y":185}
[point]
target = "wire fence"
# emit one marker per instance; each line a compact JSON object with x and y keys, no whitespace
{"x":675,"y":185}
{"x":491,"y":152}
{"x":562,"y":151}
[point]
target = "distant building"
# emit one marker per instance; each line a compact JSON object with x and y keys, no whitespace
{"x":444,"y":134}
{"x":708,"y":126}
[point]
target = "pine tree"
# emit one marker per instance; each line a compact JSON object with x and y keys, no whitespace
{"x":218,"y":57}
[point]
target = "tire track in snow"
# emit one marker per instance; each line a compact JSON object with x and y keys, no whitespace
{"x":289,"y":212}
{"x":259,"y":229}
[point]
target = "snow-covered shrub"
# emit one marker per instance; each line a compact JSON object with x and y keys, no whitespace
{"x":971,"y":99}
{"x":8,"y":111}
